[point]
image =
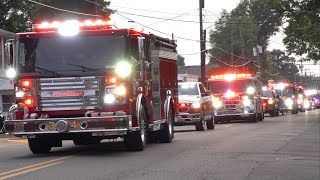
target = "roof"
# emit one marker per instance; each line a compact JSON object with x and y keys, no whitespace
{"x":5,"y":84}
{"x":4,"y":33}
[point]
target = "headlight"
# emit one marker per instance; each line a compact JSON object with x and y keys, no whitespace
{"x":11,"y":73}
{"x":120,"y":91}
{"x":250,"y":90}
{"x":270,"y":101}
{"x":246,"y":102}
{"x":109,"y":98}
{"x":289,"y":102}
{"x":216,"y":102}
{"x":306,"y":104}
{"x":123,"y":69}
{"x":19,"y":94}
{"x":196,"y":105}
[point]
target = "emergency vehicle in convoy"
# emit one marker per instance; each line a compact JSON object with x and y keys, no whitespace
{"x":236,"y":97}
{"x":86,"y":81}
{"x":294,"y":97}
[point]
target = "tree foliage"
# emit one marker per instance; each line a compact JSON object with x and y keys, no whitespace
{"x":250,"y":24}
{"x":18,"y":15}
{"x":180,"y":61}
{"x":303,"y":30}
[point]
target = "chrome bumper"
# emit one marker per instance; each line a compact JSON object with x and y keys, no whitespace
{"x":187,"y":118}
{"x":98,"y":126}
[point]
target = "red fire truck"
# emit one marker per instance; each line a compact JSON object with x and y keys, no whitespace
{"x":86,"y":81}
{"x":236,"y":97}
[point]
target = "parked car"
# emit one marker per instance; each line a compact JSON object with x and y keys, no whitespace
{"x":195,"y":106}
{"x":1,"y":122}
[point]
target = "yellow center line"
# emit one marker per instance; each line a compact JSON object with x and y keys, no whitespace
{"x":29,"y":170}
{"x":34,"y":165}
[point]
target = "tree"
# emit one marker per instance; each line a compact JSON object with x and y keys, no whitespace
{"x":93,"y":7}
{"x":303,"y":30}
{"x":180,"y":61}
{"x":15,"y":15}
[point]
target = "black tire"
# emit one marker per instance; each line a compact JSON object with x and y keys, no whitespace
{"x":273,"y":112}
{"x":277,"y":112}
{"x":39,"y":146}
{"x":254,"y":118}
{"x":137,"y":140}
{"x":200,"y":124}
{"x":210,"y":123}
{"x":166,"y":133}
{"x":294,"y":111}
{"x":260,"y":116}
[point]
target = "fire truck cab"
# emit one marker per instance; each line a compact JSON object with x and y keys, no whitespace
{"x":236,"y":97}
{"x":86,"y":81}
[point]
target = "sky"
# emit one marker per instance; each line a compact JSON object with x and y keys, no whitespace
{"x":186,"y":10}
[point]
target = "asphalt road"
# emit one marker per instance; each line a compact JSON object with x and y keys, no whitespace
{"x":284,"y":147}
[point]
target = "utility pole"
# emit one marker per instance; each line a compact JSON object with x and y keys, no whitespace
{"x":232,"y":43}
{"x":202,"y":44}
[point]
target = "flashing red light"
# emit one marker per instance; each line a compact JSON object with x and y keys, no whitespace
{"x":47,"y":26}
{"x":182,"y":104}
{"x":230,"y":77}
{"x":264,"y":104}
{"x":28,"y":101}
{"x":26,"y":83}
{"x":230,"y":94}
{"x":111,"y":80}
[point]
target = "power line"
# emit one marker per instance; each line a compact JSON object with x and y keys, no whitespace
{"x":193,"y":53}
{"x":64,"y":10}
{"x":155,"y":29}
{"x":170,"y":18}
{"x":235,"y":66}
{"x":167,"y":19}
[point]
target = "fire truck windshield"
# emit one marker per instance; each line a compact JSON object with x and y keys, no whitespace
{"x":64,"y":55}
{"x":288,"y":92}
{"x":267,"y":93}
{"x":218,"y":87}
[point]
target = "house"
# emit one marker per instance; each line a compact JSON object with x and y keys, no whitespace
{"x":6,"y":87}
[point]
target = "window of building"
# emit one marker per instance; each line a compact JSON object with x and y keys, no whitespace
{"x":7,"y":101}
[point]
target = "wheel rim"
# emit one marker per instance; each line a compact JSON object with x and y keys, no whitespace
{"x":143,"y":127}
{"x":170,"y":124}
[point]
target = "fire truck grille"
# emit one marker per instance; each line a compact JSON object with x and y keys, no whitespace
{"x":69,"y":93}
{"x":231,"y":104}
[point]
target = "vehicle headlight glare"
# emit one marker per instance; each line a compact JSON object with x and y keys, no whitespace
{"x":109,"y":98}
{"x":120,"y":91}
{"x":123,"y":69}
{"x":250,"y":90}
{"x":246,"y":102}
{"x":19,"y":94}
{"x":11,"y":73}
{"x":196,"y":105}
{"x":289,"y":102}
{"x":270,"y":101}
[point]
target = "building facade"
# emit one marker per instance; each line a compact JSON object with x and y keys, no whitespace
{"x":6,"y":87}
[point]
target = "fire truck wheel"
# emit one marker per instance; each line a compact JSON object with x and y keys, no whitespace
{"x":166,"y":134}
{"x":136,"y":140}
{"x":210,"y":123}
{"x":38,"y":146}
{"x":200,"y":125}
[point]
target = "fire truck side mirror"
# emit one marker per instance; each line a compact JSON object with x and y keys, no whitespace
{"x":9,"y":51}
{"x":141,"y":47}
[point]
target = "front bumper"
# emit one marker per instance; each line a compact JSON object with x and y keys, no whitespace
{"x":98,"y":126}
{"x":187,"y":119}
{"x":232,"y":115}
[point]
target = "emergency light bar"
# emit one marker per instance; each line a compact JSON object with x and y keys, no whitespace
{"x":87,"y":24}
{"x":230,"y":77}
